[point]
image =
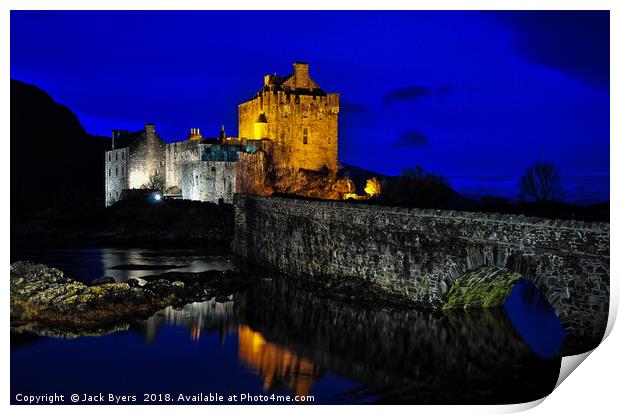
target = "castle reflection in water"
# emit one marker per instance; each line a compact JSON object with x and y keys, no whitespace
{"x":293,"y":339}
{"x":282,"y":335}
{"x":278,"y":366}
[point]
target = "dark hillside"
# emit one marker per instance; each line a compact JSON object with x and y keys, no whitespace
{"x":55,"y":164}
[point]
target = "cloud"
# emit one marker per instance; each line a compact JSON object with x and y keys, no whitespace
{"x":355,"y":115}
{"x":576,"y":42}
{"x":411,"y":139}
{"x":406,"y":94}
{"x":353,"y":108}
{"x":415,"y":92}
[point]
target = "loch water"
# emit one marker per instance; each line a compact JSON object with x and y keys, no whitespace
{"x":280,"y":339}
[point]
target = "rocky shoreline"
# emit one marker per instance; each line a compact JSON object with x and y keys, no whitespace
{"x":43,"y":297}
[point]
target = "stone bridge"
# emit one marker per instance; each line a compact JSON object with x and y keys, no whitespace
{"x":416,"y":255}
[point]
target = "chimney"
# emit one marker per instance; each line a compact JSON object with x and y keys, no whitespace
{"x":302,"y":76}
{"x":116,"y":134}
{"x":150,"y":130}
{"x":194,"y":134}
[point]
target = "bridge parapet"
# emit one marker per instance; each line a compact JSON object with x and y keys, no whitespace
{"x":417,"y":254}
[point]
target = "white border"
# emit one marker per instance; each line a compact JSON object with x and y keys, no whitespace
{"x":592,"y":389}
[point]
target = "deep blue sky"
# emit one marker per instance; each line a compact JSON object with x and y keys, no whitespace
{"x":476,"y":96}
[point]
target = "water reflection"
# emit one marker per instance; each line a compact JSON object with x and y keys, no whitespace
{"x":277,"y":365}
{"x":87,"y":264}
{"x":534,"y":319}
{"x":280,"y":337}
{"x":195,"y":317}
{"x":292,"y":339}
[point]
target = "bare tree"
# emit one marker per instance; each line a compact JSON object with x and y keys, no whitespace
{"x":541,"y":183}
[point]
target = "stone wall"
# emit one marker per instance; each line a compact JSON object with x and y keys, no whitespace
{"x":251,"y":173}
{"x":416,"y":255}
{"x":208,"y":181}
{"x":116,"y":174}
{"x":176,"y":155}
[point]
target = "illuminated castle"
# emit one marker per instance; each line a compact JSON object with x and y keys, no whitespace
{"x":291,"y":123}
{"x":298,"y":117}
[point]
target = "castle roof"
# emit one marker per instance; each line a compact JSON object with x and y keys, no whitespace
{"x":299,"y":83}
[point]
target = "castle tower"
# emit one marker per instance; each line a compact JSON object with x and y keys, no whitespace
{"x":297,"y":116}
{"x":261,"y":127}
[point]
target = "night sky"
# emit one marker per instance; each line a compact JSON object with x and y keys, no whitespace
{"x":475,"y":96}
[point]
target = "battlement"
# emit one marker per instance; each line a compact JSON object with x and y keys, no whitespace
{"x":297,"y":116}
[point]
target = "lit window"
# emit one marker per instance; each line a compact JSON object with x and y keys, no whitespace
{"x":305,"y":135}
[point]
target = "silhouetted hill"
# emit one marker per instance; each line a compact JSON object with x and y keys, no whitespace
{"x":359,"y":175}
{"x":431,"y":192}
{"x":424,"y":192}
{"x":55,"y":164}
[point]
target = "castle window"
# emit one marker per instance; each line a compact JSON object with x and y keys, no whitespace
{"x":116,"y":156}
{"x":122,"y":171}
{"x":110,"y":172}
{"x":116,"y":171}
{"x":212,"y":168}
{"x":122,"y":156}
{"x":109,"y":156}
{"x":305,"y":135}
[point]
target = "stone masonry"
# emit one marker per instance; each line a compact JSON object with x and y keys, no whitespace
{"x":208,"y":181}
{"x":415,"y":255}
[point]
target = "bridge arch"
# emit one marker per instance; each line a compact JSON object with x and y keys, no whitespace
{"x":416,"y":255}
{"x":501,"y":269}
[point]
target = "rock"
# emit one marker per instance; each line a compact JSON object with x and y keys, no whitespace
{"x":160,"y":287}
{"x":133,"y":282}
{"x":42,"y":296}
{"x":102,"y":280}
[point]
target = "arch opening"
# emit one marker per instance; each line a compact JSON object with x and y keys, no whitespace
{"x":535,"y":319}
{"x":530,"y":312}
